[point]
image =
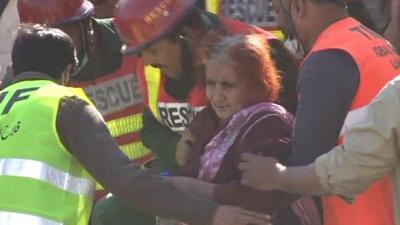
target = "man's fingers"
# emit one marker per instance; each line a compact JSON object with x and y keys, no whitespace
{"x":244,"y":166}
{"x":254,"y":214}
{"x":249,"y":217}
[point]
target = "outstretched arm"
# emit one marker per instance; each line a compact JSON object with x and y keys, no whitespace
{"x":266,"y":173}
{"x":84,"y":133}
{"x":370,"y":151}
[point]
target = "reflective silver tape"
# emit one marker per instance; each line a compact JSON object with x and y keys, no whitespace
{"x":41,"y":171}
{"x":12,"y":218}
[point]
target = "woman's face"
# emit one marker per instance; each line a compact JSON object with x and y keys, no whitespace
{"x":225,"y":91}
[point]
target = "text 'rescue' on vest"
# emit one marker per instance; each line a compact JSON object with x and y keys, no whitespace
{"x":175,"y":114}
{"x":41,"y":182}
{"x":119,"y":99}
{"x":378,"y":64}
{"x":260,"y":13}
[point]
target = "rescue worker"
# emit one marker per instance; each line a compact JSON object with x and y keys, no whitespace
{"x":53,"y":141}
{"x":166,"y":33}
{"x":370,"y":152}
{"x":107,"y":76}
{"x":167,"y":43}
{"x":346,"y":66}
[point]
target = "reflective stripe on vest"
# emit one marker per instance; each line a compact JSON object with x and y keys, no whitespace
{"x":153,"y":81}
{"x":378,"y":64}
{"x":38,"y":175}
{"x":125,"y":125}
{"x":40,"y":171}
{"x":213,"y":6}
{"x":11,"y":218}
{"x":134,"y":150}
{"x":119,"y":99}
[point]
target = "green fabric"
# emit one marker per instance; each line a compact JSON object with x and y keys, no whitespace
{"x":161,"y":140}
{"x":24,"y":202}
{"x":35,"y":137}
{"x":109,"y":36}
{"x":108,"y":57}
{"x":113,"y":211}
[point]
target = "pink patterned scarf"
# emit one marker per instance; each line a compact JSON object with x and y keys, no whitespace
{"x":219,"y":145}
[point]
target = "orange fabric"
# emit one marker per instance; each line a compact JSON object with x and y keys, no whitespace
{"x":378,"y":63}
{"x":118,"y":95}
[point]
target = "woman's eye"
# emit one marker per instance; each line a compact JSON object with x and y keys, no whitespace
{"x":228,"y":85}
{"x":210,"y":82}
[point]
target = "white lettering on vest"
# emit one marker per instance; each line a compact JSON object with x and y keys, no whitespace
{"x":116,"y":94}
{"x":257,"y":12}
{"x":177,"y":116}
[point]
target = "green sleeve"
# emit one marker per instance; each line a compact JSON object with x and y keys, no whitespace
{"x":161,"y":140}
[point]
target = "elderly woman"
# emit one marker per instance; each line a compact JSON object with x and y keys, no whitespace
{"x":241,"y":83}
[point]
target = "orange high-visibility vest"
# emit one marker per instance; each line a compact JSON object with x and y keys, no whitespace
{"x":119,"y":98}
{"x":378,"y":64}
{"x":175,"y":114}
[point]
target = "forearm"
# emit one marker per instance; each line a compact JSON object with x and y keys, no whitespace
{"x":252,"y":199}
{"x":301,"y":180}
{"x":100,"y":155}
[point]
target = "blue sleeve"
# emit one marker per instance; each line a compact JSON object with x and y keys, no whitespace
{"x":327,"y":84}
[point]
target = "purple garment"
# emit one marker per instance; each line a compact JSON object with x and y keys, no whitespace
{"x":217,"y":148}
{"x":265,"y":130}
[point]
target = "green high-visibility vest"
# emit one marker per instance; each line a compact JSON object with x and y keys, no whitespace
{"x":41,"y":183}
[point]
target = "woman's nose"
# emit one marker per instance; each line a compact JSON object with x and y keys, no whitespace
{"x":218,"y":92}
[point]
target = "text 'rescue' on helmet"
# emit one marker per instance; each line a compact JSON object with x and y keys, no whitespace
{"x":53,"y":12}
{"x":143,"y":22}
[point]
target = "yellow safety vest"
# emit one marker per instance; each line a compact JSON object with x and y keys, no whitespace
{"x":41,"y":182}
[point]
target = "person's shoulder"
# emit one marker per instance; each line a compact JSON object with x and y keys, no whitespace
{"x":330,"y":62}
{"x":272,"y":117}
{"x":105,"y":23}
{"x":108,"y":33}
{"x":330,"y":56}
{"x":391,"y":91}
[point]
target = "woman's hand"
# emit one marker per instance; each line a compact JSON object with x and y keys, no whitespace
{"x":183,"y":148}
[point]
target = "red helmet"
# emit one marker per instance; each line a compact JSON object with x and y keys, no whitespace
{"x":53,"y":12}
{"x":142,"y":22}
